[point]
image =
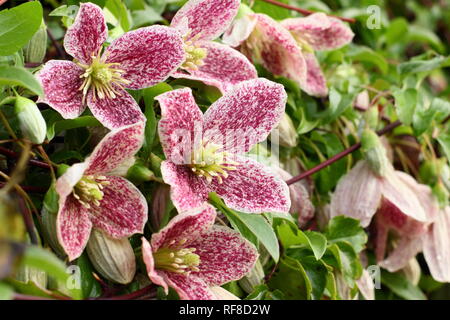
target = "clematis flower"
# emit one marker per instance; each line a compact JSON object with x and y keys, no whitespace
{"x":138,"y":59}
{"x":89,"y":196}
{"x":191,"y":254}
{"x":204,"y":151}
{"x":215,"y":64}
{"x":287,"y":48}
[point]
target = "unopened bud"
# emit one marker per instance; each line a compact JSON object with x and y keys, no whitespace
{"x":287,"y":132}
{"x":371,"y":117}
{"x":160,"y":202}
{"x":49,"y":231}
{"x":441,"y":193}
{"x":31,"y":122}
{"x":34,"y":51}
{"x":374,"y":152}
{"x":430,"y":170}
{"x":139,"y":173}
{"x":112,"y":258}
{"x":412,"y":271}
{"x":362,"y":100}
{"x":253,"y":278}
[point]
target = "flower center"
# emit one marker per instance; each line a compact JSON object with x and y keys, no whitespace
{"x":207,"y":161}
{"x":177,"y":259}
{"x":88,"y":191}
{"x":103,"y":78}
{"x":194,"y":53}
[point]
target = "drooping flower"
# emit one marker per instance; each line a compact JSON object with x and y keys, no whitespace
{"x":89,"y":196}
{"x":191,"y":254}
{"x":215,"y":64}
{"x":286,"y":48}
{"x":204,"y":151}
{"x":138,"y":59}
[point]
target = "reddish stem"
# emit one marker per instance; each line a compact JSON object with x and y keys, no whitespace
{"x":340,"y":155}
{"x":149,"y":290}
{"x":304,"y":11}
{"x":32,"y":189}
{"x":14,"y":155}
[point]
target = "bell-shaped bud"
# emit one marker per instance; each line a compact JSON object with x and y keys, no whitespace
{"x":371,"y":116}
{"x":430,"y":170}
{"x":287,"y":133}
{"x":112,"y":258}
{"x":49,"y":231}
{"x":374,"y":152}
{"x":160,"y":205}
{"x":442,"y":194}
{"x":34,"y":51}
{"x":139,"y":173}
{"x":31,"y":122}
{"x":253,"y":278}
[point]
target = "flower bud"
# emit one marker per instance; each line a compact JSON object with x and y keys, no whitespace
{"x":160,"y":200}
{"x":287,"y":132}
{"x":374,"y":152}
{"x":139,"y":173}
{"x":32,"y":123}
{"x":34,"y":51}
{"x":362,"y":100}
{"x":49,"y":231}
{"x":371,"y":117}
{"x":253,"y":278}
{"x":412,"y":271}
{"x":112,"y":258}
{"x":442,"y":194}
{"x":430,"y":170}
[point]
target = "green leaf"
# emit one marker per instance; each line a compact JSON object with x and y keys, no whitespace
{"x":55,"y":127}
{"x":444,"y":141}
{"x":294,"y":238}
{"x":46,"y":261}
{"x":6,"y":292}
{"x":415,"y":66}
{"x":18,"y":25}
{"x":396,"y":30}
{"x":365,"y":54}
{"x":401,"y":286}
{"x":345,"y":260}
{"x":120,"y":12}
{"x":262,"y":292}
{"x":343,"y":228}
{"x":17,"y":76}
{"x":405,"y":102}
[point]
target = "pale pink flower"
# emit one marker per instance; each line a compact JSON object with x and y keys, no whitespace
{"x":89,"y":196}
{"x":191,"y":254}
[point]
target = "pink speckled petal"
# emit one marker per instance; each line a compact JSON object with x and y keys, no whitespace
{"x":187,"y":191}
{"x":320,"y":31}
{"x":115,"y":112}
{"x":188,"y":225}
{"x":406,"y":249}
{"x":122,"y":211}
{"x":224,"y":255}
{"x":357,"y":195}
{"x":147,"y":55}
{"x":189,"y":287}
{"x":61,"y":83}
{"x":206,"y":19}
{"x":87,"y":34}
{"x":239,"y":31}
{"x":276,"y":49}
{"x":316,"y":84}
{"x":402,"y":196}
{"x":73,"y":227}
{"x":115,"y":148}
{"x":153,"y":274}
{"x":68,"y":180}
{"x":181,"y":118}
{"x":245,"y":115}
{"x":436,"y":247}
{"x":223,"y":67}
{"x":252,"y":188}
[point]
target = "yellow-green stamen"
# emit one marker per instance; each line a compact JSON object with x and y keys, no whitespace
{"x":209,"y":162}
{"x":88,"y":191}
{"x":194,"y":53}
{"x":176,"y":259}
{"x":101,"y":77}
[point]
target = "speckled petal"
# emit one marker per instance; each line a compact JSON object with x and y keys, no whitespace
{"x":115,"y":112}
{"x":239,"y":31}
{"x":153,"y":274}
{"x":65,"y":183}
{"x":116,"y":148}
{"x":73,"y":227}
{"x":406,"y":249}
{"x":245,"y":115}
{"x":436,"y":247}
{"x":276,"y":49}
{"x":61,"y":83}
{"x":147,"y":55}
{"x":189,"y":287}
{"x":402,"y":196}
{"x":320,"y":31}
{"x":252,"y":188}
{"x":187,"y":191}
{"x":223,"y":67}
{"x":316,"y":84}
{"x":122,"y":211}
{"x":181,"y":118}
{"x":87,"y":34}
{"x":206,"y":18}
{"x":224,"y":255}
{"x":188,"y":225}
